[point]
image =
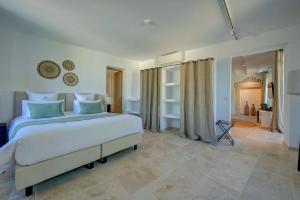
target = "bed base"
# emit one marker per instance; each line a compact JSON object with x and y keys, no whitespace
{"x":28,"y":191}
{"x":104,"y":159}
{"x":89,"y":166}
{"x":27,"y":176}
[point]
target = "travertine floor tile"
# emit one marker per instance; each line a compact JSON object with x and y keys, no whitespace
{"x":166,"y":166}
{"x":296,"y":188}
{"x":266,"y":185}
{"x":138,"y":178}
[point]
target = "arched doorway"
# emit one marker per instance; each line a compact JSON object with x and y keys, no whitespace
{"x":248,"y":91}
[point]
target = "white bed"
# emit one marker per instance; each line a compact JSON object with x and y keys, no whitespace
{"x":42,"y":151}
{"x":45,"y":141}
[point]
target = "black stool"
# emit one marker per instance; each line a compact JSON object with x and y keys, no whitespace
{"x":225,"y":126}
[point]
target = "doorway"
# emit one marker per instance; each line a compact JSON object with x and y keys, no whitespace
{"x":114,"y":89}
{"x":252,"y":99}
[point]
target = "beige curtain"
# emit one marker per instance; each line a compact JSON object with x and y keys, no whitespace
{"x":278,"y":100}
{"x":196,"y":100}
{"x":150,"y":98}
{"x":264,"y":88}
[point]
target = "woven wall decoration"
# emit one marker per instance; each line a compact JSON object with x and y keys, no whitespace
{"x":48,"y":69}
{"x":68,"y":65}
{"x":70,"y":79}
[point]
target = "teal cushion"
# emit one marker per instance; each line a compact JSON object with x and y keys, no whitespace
{"x":46,"y":110}
{"x":90,"y":107}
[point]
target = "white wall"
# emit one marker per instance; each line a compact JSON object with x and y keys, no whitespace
{"x":20,"y":53}
{"x":223,"y":76}
{"x":287,"y":38}
{"x":148,"y":64}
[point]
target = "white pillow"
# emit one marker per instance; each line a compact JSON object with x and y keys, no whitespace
{"x":42,"y":96}
{"x":85,"y":97}
{"x":25,"y":108}
{"x":76,"y":105}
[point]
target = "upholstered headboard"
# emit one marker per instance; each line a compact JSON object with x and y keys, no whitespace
{"x":67,"y":97}
{"x":70,"y":97}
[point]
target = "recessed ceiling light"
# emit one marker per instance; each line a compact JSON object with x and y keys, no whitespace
{"x":148,"y":22}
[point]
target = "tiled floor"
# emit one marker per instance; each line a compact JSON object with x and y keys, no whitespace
{"x":166,"y":166}
{"x":247,"y":118}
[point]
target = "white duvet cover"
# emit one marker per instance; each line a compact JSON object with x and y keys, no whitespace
{"x":36,"y":143}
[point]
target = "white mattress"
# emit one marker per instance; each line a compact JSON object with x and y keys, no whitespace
{"x":36,"y":143}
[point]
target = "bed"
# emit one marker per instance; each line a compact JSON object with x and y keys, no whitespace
{"x":76,"y":141}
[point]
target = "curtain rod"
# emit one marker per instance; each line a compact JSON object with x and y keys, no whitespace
{"x":199,"y":60}
{"x":168,"y":65}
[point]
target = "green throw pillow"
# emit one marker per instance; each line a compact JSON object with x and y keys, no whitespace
{"x":90,"y":107}
{"x":45,"y":110}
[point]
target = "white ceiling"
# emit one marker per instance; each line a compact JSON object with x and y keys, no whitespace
{"x":116,"y":26}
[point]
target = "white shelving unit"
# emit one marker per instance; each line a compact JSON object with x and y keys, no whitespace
{"x":170,"y":97}
{"x":133,"y":106}
{"x":169,"y":116}
{"x":171,"y":84}
{"x":172,"y":100}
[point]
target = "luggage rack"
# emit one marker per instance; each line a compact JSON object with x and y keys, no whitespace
{"x":225,"y":126}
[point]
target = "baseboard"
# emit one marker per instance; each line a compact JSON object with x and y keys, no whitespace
{"x":290,"y":148}
{"x":293,"y":148}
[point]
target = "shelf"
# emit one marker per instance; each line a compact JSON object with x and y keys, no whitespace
{"x":171,"y":84}
{"x":170,"y":116}
{"x":133,"y":112}
{"x":132,"y":99}
{"x":170,"y":97}
{"x":171,"y":100}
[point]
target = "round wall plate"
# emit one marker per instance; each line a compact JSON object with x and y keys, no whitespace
{"x":68,"y":65}
{"x":70,"y":79}
{"x":48,"y":69}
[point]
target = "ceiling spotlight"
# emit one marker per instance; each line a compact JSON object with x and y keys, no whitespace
{"x":148,"y":22}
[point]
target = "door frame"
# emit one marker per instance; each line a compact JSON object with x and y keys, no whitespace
{"x":251,"y":51}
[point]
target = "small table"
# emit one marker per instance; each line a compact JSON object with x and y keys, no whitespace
{"x":265,"y":118}
{"x":3,"y":134}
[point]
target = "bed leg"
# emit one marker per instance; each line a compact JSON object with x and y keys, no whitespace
{"x":135,"y":147}
{"x":103,"y":160}
{"x":90,"y":165}
{"x":28,"y":191}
